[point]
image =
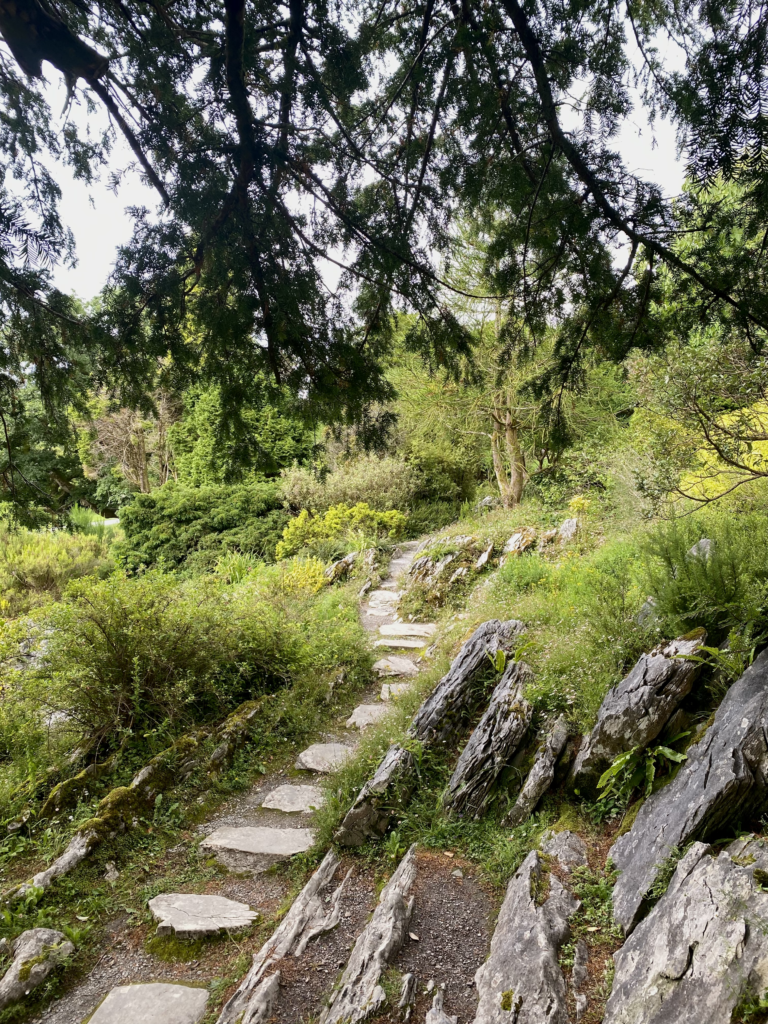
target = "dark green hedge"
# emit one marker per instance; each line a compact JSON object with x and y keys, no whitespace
{"x":194,"y":526}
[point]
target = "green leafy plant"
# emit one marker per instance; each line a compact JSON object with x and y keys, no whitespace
{"x":635,"y":769}
{"x":498,"y":660}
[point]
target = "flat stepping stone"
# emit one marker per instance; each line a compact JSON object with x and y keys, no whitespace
{"x":394,"y":666}
{"x":409,"y":629}
{"x":294,"y":799}
{"x":382,"y":597}
{"x":379,"y":613}
{"x":152,"y":1004}
{"x":324,"y":757}
{"x":392,"y":691}
{"x":190,"y":915}
{"x":394,"y":642}
{"x":366,"y":715}
{"x":256,"y":848}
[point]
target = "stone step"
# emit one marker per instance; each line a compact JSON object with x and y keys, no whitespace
{"x":409,"y":629}
{"x":394,"y":642}
{"x":324,"y":757}
{"x":191,"y":916}
{"x":379,"y":613}
{"x":256,"y":848}
{"x":294,"y":799}
{"x":366,"y":715}
{"x":391,"y":691}
{"x":394,"y":666}
{"x":382,"y":597}
{"x":157,"y":1003}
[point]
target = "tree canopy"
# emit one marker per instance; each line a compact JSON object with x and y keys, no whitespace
{"x":286,"y":138}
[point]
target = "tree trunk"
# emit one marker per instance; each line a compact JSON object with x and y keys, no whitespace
{"x":511,"y":481}
{"x":518,"y":474}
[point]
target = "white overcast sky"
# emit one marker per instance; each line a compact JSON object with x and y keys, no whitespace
{"x":99,"y":222}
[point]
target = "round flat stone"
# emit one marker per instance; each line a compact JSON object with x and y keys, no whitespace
{"x":192,"y":915}
{"x":395,"y":666}
{"x":409,"y":629}
{"x":294,"y":799}
{"x":256,"y":848}
{"x":152,"y":1004}
{"x":366,"y":715}
{"x":324,"y":757}
{"x":391,"y":691}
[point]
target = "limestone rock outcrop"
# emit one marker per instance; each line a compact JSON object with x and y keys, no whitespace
{"x":724,"y":777}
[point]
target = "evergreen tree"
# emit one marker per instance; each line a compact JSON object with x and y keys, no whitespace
{"x":280,"y":136}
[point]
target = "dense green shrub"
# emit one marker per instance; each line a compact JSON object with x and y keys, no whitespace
{"x":723,"y":589}
{"x":179,"y":525}
{"x":382,"y":483}
{"x":140,"y":659}
{"x":36,"y":565}
{"x":359,"y":526}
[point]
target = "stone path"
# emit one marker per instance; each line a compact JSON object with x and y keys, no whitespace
{"x":250,"y":834}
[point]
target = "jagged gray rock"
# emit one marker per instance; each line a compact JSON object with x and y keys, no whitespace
{"x":702,"y":549}
{"x":36,"y":953}
{"x":704,"y":946}
{"x":339,"y":570}
{"x":725,"y":777}
{"x":492,"y":744}
{"x":359,"y":993}
{"x":635,"y":712}
{"x":579,"y":976}
{"x":567,"y":530}
{"x":436,"y":1014}
{"x":407,"y":995}
{"x":309,"y":913}
{"x":520,"y":541}
{"x":521,"y":981}
{"x":263,"y":1001}
{"x":483,"y":559}
{"x":566,"y":847}
{"x":542,"y":773}
{"x":438,"y":721}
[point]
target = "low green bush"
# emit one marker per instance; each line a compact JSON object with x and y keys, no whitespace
{"x":358,"y":526}
{"x":36,"y":565}
{"x":194,"y":526}
{"x":382,"y":483}
{"x":137,"y":660}
{"x":722,"y":589}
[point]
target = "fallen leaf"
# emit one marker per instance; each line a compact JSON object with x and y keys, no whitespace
{"x":412,"y":936}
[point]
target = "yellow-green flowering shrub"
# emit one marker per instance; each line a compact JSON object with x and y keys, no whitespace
{"x":359,"y":523}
